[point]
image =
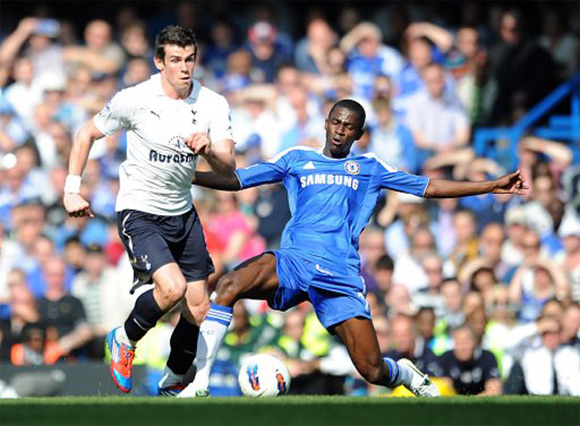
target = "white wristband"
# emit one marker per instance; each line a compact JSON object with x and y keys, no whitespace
{"x":72,"y":184}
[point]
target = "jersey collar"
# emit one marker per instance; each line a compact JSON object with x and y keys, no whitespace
{"x":155,"y":80}
{"x":321,"y":152}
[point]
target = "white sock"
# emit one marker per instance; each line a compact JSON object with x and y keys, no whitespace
{"x":170,"y":378}
{"x":405,"y":376}
{"x":211,"y":335}
{"x":121,"y":336}
{"x":400,"y":373}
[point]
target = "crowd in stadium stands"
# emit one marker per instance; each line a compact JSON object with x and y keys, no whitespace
{"x":482,"y":293}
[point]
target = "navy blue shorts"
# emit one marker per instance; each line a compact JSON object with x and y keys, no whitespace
{"x":335,"y":298}
{"x":153,"y":241}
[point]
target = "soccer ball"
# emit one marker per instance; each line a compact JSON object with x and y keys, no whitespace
{"x":262,"y":376}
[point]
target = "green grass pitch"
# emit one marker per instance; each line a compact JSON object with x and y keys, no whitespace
{"x":296,"y":410}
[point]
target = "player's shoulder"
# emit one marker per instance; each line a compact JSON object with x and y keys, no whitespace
{"x":207,"y":95}
{"x":133,"y":95}
{"x":374,"y":158}
{"x":296,"y":153}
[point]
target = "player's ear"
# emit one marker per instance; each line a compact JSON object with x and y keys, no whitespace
{"x":360,"y":133}
{"x":326,"y":124}
{"x":159,"y":63}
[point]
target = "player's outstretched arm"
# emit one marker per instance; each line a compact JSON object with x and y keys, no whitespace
{"x":74,"y":203}
{"x":214,"y":180}
{"x":512,"y":183}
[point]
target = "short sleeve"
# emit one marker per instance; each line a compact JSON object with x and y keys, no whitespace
{"x":396,"y":180}
{"x":116,"y":115}
{"x":490,"y":369}
{"x":220,"y":127}
{"x":271,"y":171}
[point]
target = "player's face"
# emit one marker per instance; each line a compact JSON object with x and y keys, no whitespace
{"x":342,"y":130}
{"x":177,"y":66}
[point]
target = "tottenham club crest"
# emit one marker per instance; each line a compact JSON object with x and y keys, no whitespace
{"x":352,"y":167}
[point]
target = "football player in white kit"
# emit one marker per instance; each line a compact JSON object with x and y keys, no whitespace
{"x":170,"y":121}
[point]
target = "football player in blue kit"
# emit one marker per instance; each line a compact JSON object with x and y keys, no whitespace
{"x":332,"y":194}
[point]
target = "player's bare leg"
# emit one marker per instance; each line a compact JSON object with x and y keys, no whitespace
{"x":194,"y":307}
{"x":360,"y":339}
{"x":170,"y":288}
{"x":254,"y":279}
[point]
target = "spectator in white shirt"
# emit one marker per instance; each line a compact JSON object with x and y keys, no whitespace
{"x":436,"y":117}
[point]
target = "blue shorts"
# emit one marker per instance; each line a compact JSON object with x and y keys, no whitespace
{"x":153,"y":241}
{"x":301,"y":279}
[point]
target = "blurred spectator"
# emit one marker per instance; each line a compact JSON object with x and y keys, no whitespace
{"x":473,"y":370}
{"x":569,"y":260}
{"x":62,"y":313}
{"x":104,"y":296}
{"x":222,"y":45}
{"x":453,"y":315}
{"x":408,"y":345}
{"x":34,"y":349}
{"x":234,"y":232}
{"x":266,"y":53}
{"x":466,"y":245}
{"x":135,"y":43}
{"x":536,"y":281}
{"x":522,"y":70}
{"x":19,"y":311}
{"x":561,"y":43}
{"x":391,"y":140}
{"x":408,"y":269}
{"x":100,"y":53}
{"x":34,"y":38}
{"x":549,"y":367}
{"x":368,"y":58}
{"x":311,"y":54}
{"x":25,"y":93}
{"x":437,"y":119}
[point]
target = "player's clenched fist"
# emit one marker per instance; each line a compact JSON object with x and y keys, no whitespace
{"x":200,"y":143}
{"x":76,"y":205}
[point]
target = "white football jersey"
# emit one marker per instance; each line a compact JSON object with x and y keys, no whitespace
{"x":156,"y":176}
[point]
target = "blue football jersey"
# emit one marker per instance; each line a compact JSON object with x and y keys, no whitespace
{"x":330,"y":199}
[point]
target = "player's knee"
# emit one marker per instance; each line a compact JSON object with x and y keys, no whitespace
{"x":227,"y":290}
{"x":199,"y":311}
{"x":371,"y":371}
{"x":174,"y":291}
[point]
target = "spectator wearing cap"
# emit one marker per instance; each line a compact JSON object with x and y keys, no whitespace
{"x":267,"y":55}
{"x":100,"y":54}
{"x":569,"y":260}
{"x":369,"y":58}
{"x":474,"y":371}
{"x":105,"y":300}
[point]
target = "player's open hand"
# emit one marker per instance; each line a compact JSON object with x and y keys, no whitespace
{"x":76,"y":205}
{"x":513,"y":183}
{"x":200,"y":143}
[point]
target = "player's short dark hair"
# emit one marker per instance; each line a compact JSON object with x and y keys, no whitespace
{"x":352,"y":106}
{"x":174,"y":35}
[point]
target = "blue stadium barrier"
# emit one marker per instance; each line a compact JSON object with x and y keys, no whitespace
{"x":501,"y":143}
